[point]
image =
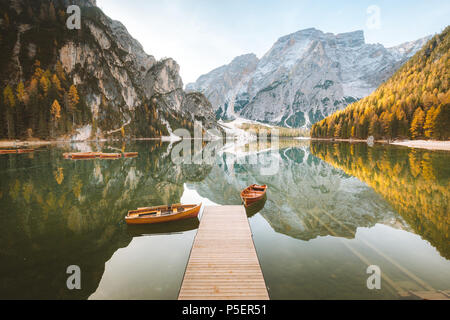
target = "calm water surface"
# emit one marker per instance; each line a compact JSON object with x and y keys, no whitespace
{"x":332,"y":209}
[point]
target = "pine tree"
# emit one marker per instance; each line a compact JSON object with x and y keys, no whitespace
{"x":20,"y":92}
{"x":55,"y":112}
{"x":417,"y":123}
{"x":441,"y":122}
{"x":10,"y":103}
{"x":38,"y":72}
{"x":8,"y":97}
{"x":45,"y":85}
{"x":56,"y":83}
{"x":430,"y":123}
{"x":74,"y":99}
{"x":374,"y":127}
{"x":338,"y":130}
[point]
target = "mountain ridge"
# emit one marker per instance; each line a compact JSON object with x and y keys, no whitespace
{"x":303,"y":77}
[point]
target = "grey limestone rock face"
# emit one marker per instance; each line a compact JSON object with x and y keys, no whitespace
{"x":116,"y":78}
{"x":304,"y":77}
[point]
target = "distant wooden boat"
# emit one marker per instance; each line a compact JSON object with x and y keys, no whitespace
{"x":253,"y":194}
{"x":25,"y":150}
{"x":84,"y":155}
{"x":7,"y":151}
{"x":110,"y":155}
{"x":161,"y":214}
{"x":81,"y":155}
{"x":130,"y":154}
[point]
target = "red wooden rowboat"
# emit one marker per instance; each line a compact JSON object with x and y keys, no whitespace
{"x":253,"y":194}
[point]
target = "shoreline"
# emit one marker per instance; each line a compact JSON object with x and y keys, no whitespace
{"x":25,"y":143}
{"x":424,"y":144}
{"x":417,"y":144}
{"x":420,"y":144}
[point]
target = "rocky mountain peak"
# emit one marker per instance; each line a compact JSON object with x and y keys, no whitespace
{"x":304,"y":77}
{"x":351,"y":39}
{"x":245,"y":60}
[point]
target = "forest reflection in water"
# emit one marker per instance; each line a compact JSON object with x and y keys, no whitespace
{"x":415,"y":182}
{"x":56,"y":212}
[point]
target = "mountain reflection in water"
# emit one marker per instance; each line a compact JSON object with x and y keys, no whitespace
{"x":56,"y":213}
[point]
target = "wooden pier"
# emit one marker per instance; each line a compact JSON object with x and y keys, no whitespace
{"x":223,"y":264}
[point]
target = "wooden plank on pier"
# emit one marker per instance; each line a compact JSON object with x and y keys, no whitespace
{"x":223,"y":264}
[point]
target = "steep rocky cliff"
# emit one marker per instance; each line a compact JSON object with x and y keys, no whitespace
{"x":119,"y":85}
{"x":304,"y":77}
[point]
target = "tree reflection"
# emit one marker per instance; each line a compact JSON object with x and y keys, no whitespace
{"x":415,"y":182}
{"x":56,"y":212}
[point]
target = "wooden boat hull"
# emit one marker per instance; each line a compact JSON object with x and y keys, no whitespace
{"x":253,"y":193}
{"x":143,"y":216}
{"x":110,"y":156}
{"x":82,"y":156}
{"x":7,"y":151}
{"x":130,"y":154}
{"x":25,"y":150}
{"x":255,"y":207}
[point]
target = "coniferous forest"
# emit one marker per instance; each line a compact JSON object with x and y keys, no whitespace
{"x":414,"y":103}
{"x":45,"y":102}
{"x":40,"y":99}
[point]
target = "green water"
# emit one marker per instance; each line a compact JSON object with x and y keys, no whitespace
{"x":332,"y":209}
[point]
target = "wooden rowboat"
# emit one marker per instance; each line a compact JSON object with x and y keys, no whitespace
{"x":83,"y":155}
{"x":130,"y":154}
{"x":256,"y":207}
{"x":25,"y":150}
{"x":162,"y":213}
{"x":110,"y":155}
{"x":7,"y":151}
{"x":253,"y":194}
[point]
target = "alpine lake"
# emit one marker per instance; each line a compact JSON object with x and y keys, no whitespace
{"x":332,"y":210}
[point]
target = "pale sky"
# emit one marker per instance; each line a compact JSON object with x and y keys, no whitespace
{"x":202,"y":35}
